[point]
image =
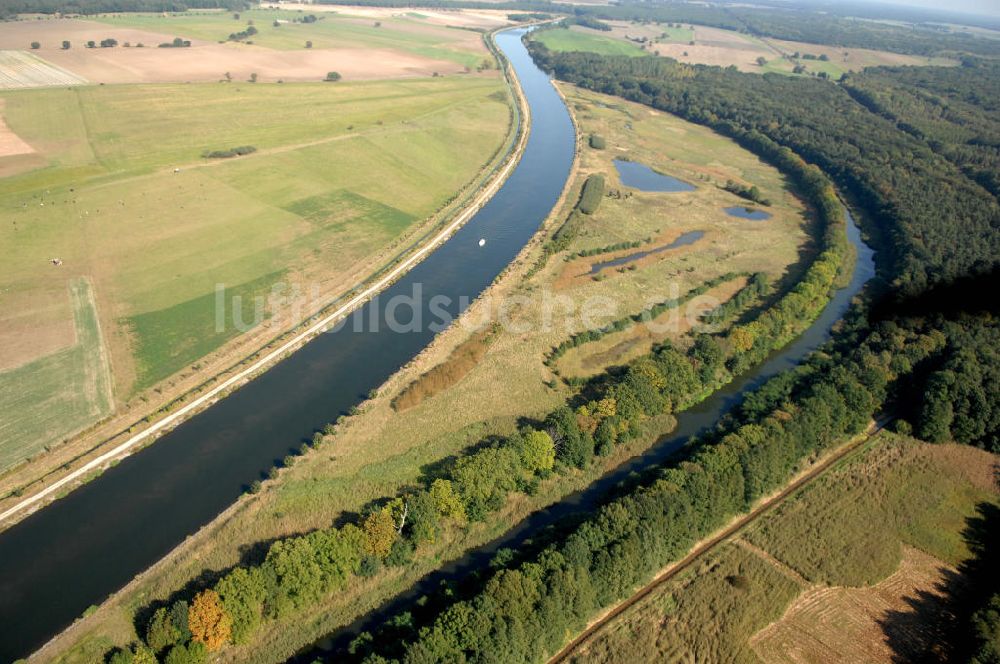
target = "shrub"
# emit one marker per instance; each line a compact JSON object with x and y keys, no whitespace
{"x":35,"y":45}
{"x":593,"y":192}
{"x":232,"y":152}
{"x":597,"y":142}
{"x":370,"y":566}
{"x":176,"y":43}
{"x":332,"y":77}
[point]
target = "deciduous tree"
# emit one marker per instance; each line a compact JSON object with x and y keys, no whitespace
{"x":208,"y":621}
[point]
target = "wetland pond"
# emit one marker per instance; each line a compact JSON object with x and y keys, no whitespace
{"x":682,"y":240}
{"x":642,"y":177}
{"x":750,"y":213}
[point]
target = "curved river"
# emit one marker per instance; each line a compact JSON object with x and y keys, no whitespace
{"x":77,"y":551}
{"x":693,"y":421}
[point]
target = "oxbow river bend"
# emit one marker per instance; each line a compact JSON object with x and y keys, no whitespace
{"x":77,"y":551}
{"x":691,"y":422}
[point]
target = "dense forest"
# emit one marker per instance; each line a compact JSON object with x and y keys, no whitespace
{"x":14,"y":7}
{"x":955,"y":111}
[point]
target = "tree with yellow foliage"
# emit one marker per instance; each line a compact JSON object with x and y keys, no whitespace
{"x":538,"y":452}
{"x":446,"y":500}
{"x":208,"y":621}
{"x":380,"y":532}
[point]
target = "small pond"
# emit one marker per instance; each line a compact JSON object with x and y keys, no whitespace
{"x":642,"y":177}
{"x":684,"y":239}
{"x":747,"y":213}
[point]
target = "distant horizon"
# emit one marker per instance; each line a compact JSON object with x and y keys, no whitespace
{"x":989,"y":8}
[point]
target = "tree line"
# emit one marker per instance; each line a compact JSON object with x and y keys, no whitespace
{"x":756,"y":289}
{"x":529,"y":607}
{"x":13,"y":7}
{"x":590,"y":199}
{"x":650,"y":313}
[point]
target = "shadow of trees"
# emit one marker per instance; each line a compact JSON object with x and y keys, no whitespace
{"x":935,"y":626}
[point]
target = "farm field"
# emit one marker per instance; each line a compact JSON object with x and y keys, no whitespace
{"x":571,"y":39}
{"x":61,"y":392}
{"x":125,"y":199}
{"x":861,"y":565}
{"x":405,"y":32}
{"x":381,"y":449}
{"x":714,"y":46}
{"x":283,"y":48}
{"x":20,"y":69}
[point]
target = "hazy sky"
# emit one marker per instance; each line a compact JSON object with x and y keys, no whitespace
{"x":988,"y":7}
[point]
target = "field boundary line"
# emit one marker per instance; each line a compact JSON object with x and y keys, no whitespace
{"x":241,"y":377}
{"x":722,"y":536}
{"x":283,"y":149}
{"x":772,"y":560}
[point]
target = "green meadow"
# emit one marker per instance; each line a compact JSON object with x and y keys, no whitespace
{"x":671,"y":34}
{"x":564,"y":39}
{"x":342,"y":174}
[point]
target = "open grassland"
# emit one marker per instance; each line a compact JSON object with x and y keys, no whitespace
{"x":576,"y":39}
{"x":840,"y":59}
{"x":723,"y":48}
{"x":856,"y":567}
{"x":910,"y":493}
{"x":57,"y":394}
{"x":694,"y":155}
{"x":381,"y":449}
{"x":706,"y":615}
{"x":341,"y":180}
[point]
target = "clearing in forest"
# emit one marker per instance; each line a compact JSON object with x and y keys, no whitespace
{"x":858,"y":566}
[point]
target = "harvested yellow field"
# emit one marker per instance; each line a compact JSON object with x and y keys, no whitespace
{"x":20,"y":69}
{"x":835,"y":624}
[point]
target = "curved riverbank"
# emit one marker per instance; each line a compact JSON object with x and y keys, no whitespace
{"x":691,"y":422}
{"x":92,"y":542}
